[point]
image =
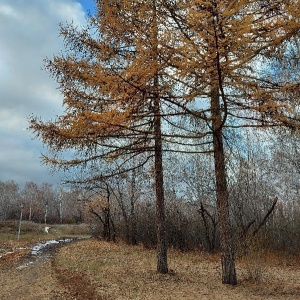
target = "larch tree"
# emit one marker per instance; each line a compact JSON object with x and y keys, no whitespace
{"x":109,"y":83}
{"x":225,"y":51}
{"x":117,"y":92}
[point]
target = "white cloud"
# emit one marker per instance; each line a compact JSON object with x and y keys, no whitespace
{"x":9,"y":11}
{"x":28,"y":33}
{"x":65,"y":11}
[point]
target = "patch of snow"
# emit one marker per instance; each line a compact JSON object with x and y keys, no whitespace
{"x":24,"y":266}
{"x":38,"y":248}
{"x":21,"y":248}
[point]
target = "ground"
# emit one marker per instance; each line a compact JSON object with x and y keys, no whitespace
{"x":25,"y":278}
{"x":97,"y":270}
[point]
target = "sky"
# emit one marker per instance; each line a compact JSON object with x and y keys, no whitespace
{"x":29,"y":32}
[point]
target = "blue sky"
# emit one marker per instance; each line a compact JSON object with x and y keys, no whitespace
{"x":28,"y":34}
{"x":88,"y":5}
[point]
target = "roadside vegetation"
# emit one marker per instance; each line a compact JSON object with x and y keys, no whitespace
{"x":102,"y":270}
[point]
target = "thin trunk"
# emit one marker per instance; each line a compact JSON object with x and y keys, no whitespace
{"x":162,"y":264}
{"x":210,"y":234}
{"x":20,"y":221}
{"x":107,"y":217}
{"x":30,"y":211}
{"x":46,"y":213}
{"x":133,"y":226}
{"x":162,"y":260}
{"x":114,"y":232}
{"x":132,"y":210}
{"x":227,"y":251}
{"x":106,"y":224}
{"x":60,"y":212}
{"x":120,"y":201}
{"x":127,"y":228}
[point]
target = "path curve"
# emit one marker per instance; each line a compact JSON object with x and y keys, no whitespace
{"x":31,"y":278}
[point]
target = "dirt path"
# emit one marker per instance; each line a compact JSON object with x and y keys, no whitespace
{"x":30,"y":278}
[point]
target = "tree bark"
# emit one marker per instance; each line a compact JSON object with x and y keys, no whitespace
{"x":210,"y":234}
{"x":162,"y":264}
{"x":162,"y":260}
{"x":106,"y":224}
{"x":133,"y":238}
{"x":227,"y":251}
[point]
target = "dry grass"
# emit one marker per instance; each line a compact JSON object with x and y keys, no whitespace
{"x":32,"y":233}
{"x":116,"y":271}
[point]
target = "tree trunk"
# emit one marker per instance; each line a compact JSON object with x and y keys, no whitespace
{"x":46,"y":213}
{"x":30,"y":211}
{"x":162,"y":261}
{"x":227,"y":251}
{"x":133,"y":238}
{"x":210,"y":233}
{"x":106,"y":211}
{"x":162,"y":264}
{"x":106,"y":224}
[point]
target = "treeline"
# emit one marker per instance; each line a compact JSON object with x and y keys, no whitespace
{"x":264,"y":186}
{"x":39,"y":203}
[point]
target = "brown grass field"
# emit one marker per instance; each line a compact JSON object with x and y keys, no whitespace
{"x":92,"y":269}
{"x":116,"y":271}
